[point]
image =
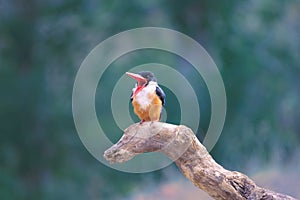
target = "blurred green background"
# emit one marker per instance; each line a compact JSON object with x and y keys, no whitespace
{"x":255,"y":44}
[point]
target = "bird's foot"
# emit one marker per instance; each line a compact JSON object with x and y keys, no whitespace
{"x":142,"y":121}
{"x":153,"y":121}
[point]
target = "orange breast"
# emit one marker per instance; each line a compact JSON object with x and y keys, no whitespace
{"x":151,"y":112}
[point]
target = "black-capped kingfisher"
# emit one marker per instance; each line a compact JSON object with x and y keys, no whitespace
{"x":147,"y":97}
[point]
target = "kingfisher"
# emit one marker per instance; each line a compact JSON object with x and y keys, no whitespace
{"x":147,"y":97}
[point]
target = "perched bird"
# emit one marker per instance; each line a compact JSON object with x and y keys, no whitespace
{"x":147,"y":97}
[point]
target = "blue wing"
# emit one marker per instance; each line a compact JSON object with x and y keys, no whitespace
{"x":131,"y":96}
{"x":160,"y":93}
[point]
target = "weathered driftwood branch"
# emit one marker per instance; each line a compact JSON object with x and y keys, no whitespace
{"x":181,"y":145}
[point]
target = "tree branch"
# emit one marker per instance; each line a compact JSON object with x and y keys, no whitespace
{"x":181,"y":145}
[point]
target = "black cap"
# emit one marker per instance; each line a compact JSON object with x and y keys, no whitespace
{"x":148,"y":75}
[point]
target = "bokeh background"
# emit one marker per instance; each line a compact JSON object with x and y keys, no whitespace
{"x":255,"y":44}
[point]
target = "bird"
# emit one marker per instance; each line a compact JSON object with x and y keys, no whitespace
{"x":147,"y":97}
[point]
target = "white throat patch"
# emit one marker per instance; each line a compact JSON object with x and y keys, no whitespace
{"x":144,"y":97}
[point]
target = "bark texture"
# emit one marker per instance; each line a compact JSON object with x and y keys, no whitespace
{"x":181,"y":145}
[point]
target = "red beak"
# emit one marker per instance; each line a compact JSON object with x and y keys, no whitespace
{"x":141,"y":80}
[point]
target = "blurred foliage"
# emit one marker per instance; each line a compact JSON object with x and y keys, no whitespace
{"x":42,"y":43}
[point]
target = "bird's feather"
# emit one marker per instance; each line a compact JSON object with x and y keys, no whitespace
{"x":161,"y":95}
